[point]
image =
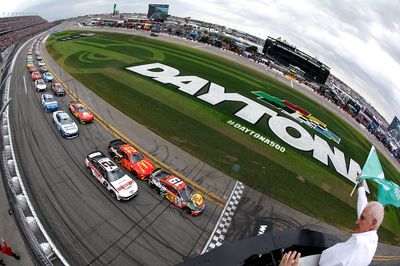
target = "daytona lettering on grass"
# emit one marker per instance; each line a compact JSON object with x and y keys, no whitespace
{"x":256,"y":135}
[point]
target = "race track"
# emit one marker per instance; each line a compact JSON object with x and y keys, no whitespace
{"x":89,"y":226}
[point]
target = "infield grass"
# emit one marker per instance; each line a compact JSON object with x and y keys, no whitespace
{"x":293,"y":177}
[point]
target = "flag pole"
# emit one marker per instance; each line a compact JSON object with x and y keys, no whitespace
{"x":354,"y":188}
{"x":356,"y":184}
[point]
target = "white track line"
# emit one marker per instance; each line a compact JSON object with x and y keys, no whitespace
{"x":23,"y":79}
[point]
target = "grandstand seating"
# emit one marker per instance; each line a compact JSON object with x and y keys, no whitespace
{"x":14,"y":29}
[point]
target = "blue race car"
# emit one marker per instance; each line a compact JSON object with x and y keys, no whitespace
{"x":49,"y":104}
{"x":48,"y":77}
{"x":65,"y":125}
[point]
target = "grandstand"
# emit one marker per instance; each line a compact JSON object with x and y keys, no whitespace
{"x":14,"y":29}
{"x":286,"y":54}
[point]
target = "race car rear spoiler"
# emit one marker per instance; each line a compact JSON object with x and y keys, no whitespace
{"x":116,"y":142}
{"x":95,"y":154}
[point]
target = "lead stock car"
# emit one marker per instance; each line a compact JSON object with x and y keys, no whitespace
{"x":119,"y":184}
{"x":130,"y":159}
{"x":177,"y":192}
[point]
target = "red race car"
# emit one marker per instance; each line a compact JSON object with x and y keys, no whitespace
{"x":36,"y":75}
{"x":81,"y":112}
{"x":32,"y":69}
{"x":177,"y":191}
{"x":131,"y":159}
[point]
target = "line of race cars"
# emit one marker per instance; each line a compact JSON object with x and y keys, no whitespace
{"x":108,"y":172}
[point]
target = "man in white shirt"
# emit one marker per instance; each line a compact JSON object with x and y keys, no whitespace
{"x":360,"y":248}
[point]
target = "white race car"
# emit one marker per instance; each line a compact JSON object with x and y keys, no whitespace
{"x":119,"y":184}
{"x":40,"y":85}
{"x":41,"y":63}
{"x":65,"y":125}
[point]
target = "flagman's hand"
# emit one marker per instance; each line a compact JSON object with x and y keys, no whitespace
{"x":290,"y":259}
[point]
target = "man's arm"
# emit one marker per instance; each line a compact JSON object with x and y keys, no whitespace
{"x":361,"y":200}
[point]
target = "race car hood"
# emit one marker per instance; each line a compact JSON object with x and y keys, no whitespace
{"x":85,"y":115}
{"x":41,"y":86}
{"x":69,"y":128}
{"x":197,"y":200}
{"x":144,"y":167}
{"x":125,"y":186}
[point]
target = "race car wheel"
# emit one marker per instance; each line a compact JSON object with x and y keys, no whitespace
{"x":155,"y":188}
{"x":187,"y":210}
{"x":113,"y":194}
{"x":134,"y":174}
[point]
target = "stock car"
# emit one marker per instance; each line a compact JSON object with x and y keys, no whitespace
{"x":36,"y":75}
{"x":43,"y":69}
{"x":177,"y":192}
{"x":40,"y":85}
{"x":80,"y":112}
{"x":32,"y":68}
{"x":57,"y":89}
{"x":119,"y":184}
{"x":130,"y":159}
{"x":41,"y":63}
{"x":65,"y":125}
{"x":48,"y":77}
{"x":29,"y":64}
{"x":49,"y":104}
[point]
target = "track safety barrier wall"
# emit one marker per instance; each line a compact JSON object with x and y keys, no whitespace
{"x":41,"y":246}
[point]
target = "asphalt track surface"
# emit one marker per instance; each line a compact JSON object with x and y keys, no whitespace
{"x":88,"y":226}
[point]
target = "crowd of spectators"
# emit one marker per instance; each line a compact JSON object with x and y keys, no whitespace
{"x":14,"y":29}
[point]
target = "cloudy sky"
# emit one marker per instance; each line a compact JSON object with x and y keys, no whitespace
{"x":359,"y":40}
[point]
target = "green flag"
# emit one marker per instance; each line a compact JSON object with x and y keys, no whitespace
{"x":372,"y":167}
{"x":388,"y":192}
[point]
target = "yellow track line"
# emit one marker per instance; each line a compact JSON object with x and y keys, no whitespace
{"x":386,"y":258}
{"x":207,"y":194}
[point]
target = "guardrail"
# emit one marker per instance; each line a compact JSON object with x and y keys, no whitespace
{"x":41,"y":246}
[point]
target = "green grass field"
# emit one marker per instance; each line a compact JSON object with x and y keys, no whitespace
{"x":294,"y":178}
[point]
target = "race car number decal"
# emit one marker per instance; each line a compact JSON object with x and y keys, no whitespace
{"x":176,"y":181}
{"x":108,"y":164}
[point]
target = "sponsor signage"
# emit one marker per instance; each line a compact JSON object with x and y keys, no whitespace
{"x":256,"y":135}
{"x":252,"y":112}
{"x":262,"y":226}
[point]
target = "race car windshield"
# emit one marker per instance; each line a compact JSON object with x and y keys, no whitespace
{"x":40,"y":82}
{"x":66,"y":121}
{"x":186,"y":193}
{"x":81,"y":109}
{"x":136,"y":157}
{"x":115,"y":175}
